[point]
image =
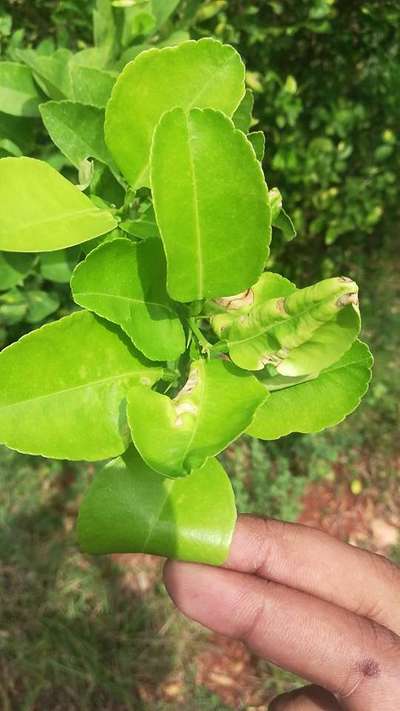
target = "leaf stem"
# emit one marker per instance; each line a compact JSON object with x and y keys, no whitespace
{"x":205,"y":345}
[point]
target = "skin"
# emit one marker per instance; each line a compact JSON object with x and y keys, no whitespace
{"x":320,"y":608}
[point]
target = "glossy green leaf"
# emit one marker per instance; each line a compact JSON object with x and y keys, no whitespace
{"x":44,"y":210}
{"x":215,"y":230}
{"x":76,"y":129}
{"x":58,"y":266}
{"x":243,"y":114}
{"x":203,"y":74}
{"x":125,"y":283}
{"x":257,"y":140}
{"x":14,"y":268}
{"x":91,"y":85}
{"x":322,"y":401}
{"x":63,"y":389}
{"x":297,"y":334}
{"x":129,"y":508}
{"x":19,"y":95}
{"x":175,"y":436}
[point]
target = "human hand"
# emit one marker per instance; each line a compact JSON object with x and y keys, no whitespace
{"x":323,"y":609}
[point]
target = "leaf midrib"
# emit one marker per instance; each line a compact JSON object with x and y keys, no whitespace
{"x":93,"y":383}
{"x":123,"y":298}
{"x":75,"y":214}
{"x":196,"y":215}
{"x":280,"y":322}
{"x":168,"y":485}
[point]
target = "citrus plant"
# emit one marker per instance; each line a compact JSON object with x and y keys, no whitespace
{"x":184,"y":340}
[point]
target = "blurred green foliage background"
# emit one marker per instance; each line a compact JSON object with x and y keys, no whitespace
{"x":82,"y":634}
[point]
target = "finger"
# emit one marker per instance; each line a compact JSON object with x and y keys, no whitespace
{"x":331,"y":647}
{"x":310,"y":560}
{"x":310,"y":698}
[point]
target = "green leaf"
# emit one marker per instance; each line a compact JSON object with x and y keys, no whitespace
{"x":203,"y":74}
{"x":162,"y":10}
{"x":141,"y":229}
{"x":125,"y":283}
{"x":58,"y":266}
{"x":257,"y":140}
{"x":13,"y":307}
{"x":215,"y":230}
{"x":243,"y":114}
{"x":320,"y":402}
{"x":63,"y":389}
{"x":280,"y":218}
{"x":14,"y":268}
{"x":91,"y":85}
{"x":297,"y":334}
{"x":130,"y":508}
{"x":104,"y":28}
{"x":285,"y":224}
{"x":175,"y":436}
{"x":51,"y":72}
{"x":41,"y":304}
{"x":77,"y":130}
{"x":19,"y":130}
{"x":44,"y":210}
{"x":19,"y":95}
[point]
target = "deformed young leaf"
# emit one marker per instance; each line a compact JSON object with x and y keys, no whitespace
{"x":125,"y":283}
{"x":215,"y":230}
{"x":297,"y":334}
{"x":63,"y":389}
{"x":203,"y":74}
{"x":19,"y":95}
{"x":129,"y":508}
{"x":175,"y":436}
{"x":323,"y":400}
{"x":45,"y":211}
{"x":77,"y":130}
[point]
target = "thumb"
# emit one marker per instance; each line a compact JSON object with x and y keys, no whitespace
{"x":309,"y":698}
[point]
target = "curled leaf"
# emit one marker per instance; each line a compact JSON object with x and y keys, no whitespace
{"x":175,"y":436}
{"x":129,"y":508}
{"x":297,"y":334}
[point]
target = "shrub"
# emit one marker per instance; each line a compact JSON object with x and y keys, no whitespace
{"x":185,"y":340}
